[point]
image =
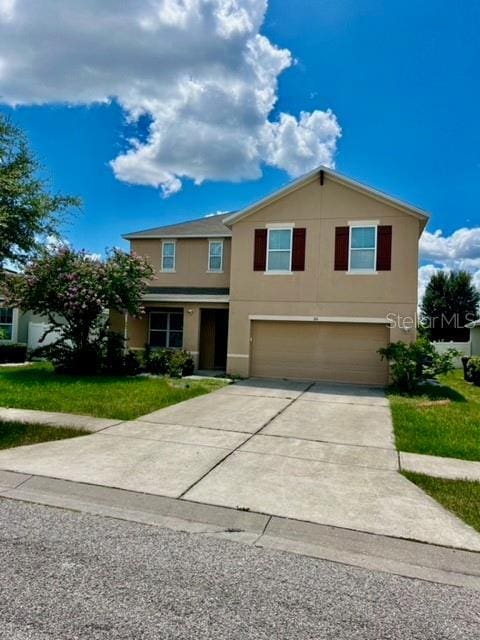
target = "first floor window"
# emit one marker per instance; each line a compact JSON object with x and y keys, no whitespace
{"x":168,"y":256}
{"x":279,"y":253}
{"x":166,"y":329}
{"x":363,"y":245}
{"x":215,"y":255}
{"x":6,"y":323}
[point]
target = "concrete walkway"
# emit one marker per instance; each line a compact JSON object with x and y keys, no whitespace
{"x":440,"y":467}
{"x":56,"y":419}
{"x":317,"y":453}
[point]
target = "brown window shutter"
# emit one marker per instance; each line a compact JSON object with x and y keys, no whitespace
{"x":341,"y":248}
{"x":298,"y":253}
{"x":260,"y":250}
{"x":384,"y":248}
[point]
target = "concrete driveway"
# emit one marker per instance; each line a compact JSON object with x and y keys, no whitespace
{"x":314,"y":452}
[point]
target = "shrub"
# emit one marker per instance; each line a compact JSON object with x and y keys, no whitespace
{"x":170,"y":362}
{"x":157,"y":362}
{"x":105,"y":354}
{"x":466,"y":373}
{"x":181,"y":364}
{"x":15,"y":352}
{"x":415,"y":363}
{"x":131,"y":363}
{"x":473,"y":369}
{"x":115,"y":360}
{"x":73,"y":361}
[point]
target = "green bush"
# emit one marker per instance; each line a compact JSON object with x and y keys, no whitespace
{"x":181,"y":364}
{"x":157,"y":362}
{"x":415,"y":363}
{"x":117,"y":361}
{"x":473,"y":369}
{"x":103,"y":355}
{"x":15,"y":352}
{"x":172,"y":362}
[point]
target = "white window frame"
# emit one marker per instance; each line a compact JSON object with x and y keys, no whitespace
{"x":209,"y":269}
{"x":362,"y":225}
{"x":14,"y":325}
{"x":167,"y":330}
{"x":173,"y":242}
{"x":279,"y":228}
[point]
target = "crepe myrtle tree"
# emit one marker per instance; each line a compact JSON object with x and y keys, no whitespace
{"x":74,"y":290}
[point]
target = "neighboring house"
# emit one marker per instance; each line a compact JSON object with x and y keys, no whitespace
{"x":303,"y":284}
{"x":12,"y":324}
{"x":474,"y":337}
{"x":21,"y":326}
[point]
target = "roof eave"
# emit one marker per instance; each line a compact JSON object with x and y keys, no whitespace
{"x":421,"y":215}
{"x":132,"y":236}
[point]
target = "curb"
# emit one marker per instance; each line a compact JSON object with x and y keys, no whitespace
{"x":405,"y":558}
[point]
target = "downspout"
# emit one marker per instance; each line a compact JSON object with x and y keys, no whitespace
{"x":125,"y":332}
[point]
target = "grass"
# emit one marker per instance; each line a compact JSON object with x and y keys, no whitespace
{"x":16,"y":434}
{"x":462,"y":497}
{"x":38,"y":387}
{"x":442,"y":421}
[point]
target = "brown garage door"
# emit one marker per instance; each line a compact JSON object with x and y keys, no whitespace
{"x":336,"y":352}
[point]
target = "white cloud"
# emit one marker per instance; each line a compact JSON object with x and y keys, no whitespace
{"x":461,"y":250}
{"x":462,"y":247}
{"x":199,"y":69}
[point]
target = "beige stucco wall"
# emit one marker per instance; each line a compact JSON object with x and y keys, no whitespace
{"x":320,"y":290}
{"x":191,"y":262}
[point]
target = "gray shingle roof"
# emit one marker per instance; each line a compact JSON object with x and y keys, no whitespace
{"x":199,"y":291}
{"x":206,"y":227}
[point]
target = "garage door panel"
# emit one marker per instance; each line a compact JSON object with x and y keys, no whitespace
{"x":327,"y":351}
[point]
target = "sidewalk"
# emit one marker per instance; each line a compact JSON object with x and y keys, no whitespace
{"x":55,"y":419}
{"x":439,"y":467}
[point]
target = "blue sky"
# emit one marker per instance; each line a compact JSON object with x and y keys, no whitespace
{"x":401,"y":81}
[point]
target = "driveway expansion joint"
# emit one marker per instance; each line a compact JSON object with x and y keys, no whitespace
{"x":230,"y":453}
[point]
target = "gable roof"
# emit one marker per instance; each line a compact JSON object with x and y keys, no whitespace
{"x":206,"y":227}
{"x":316,"y":174}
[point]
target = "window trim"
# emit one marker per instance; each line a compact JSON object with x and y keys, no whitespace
{"x":220,"y":242}
{"x":283,"y":227}
{"x":14,"y":325}
{"x":174,"y":243}
{"x":167,"y":330}
{"x":362,"y":225}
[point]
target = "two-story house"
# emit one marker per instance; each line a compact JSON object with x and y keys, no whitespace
{"x":308,"y":283}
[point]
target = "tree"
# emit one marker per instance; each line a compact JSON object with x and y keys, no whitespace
{"x":451,"y":300}
{"x":74,"y":290}
{"x":27,"y":211}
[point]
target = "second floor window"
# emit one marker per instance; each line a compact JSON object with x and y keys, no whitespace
{"x":363,"y":248}
{"x":215,"y":255}
{"x":279,"y":250}
{"x":168,"y":256}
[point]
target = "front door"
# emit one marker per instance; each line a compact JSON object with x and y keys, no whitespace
{"x":213,"y":339}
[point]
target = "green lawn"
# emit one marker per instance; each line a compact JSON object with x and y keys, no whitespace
{"x":443,"y":421}
{"x":462,"y":497}
{"x":38,"y":387}
{"x":16,"y":434}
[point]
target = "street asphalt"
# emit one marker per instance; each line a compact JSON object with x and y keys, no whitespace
{"x":68,"y":576}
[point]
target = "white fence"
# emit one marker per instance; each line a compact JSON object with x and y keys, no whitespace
{"x":36,"y":331}
{"x":465,"y":348}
